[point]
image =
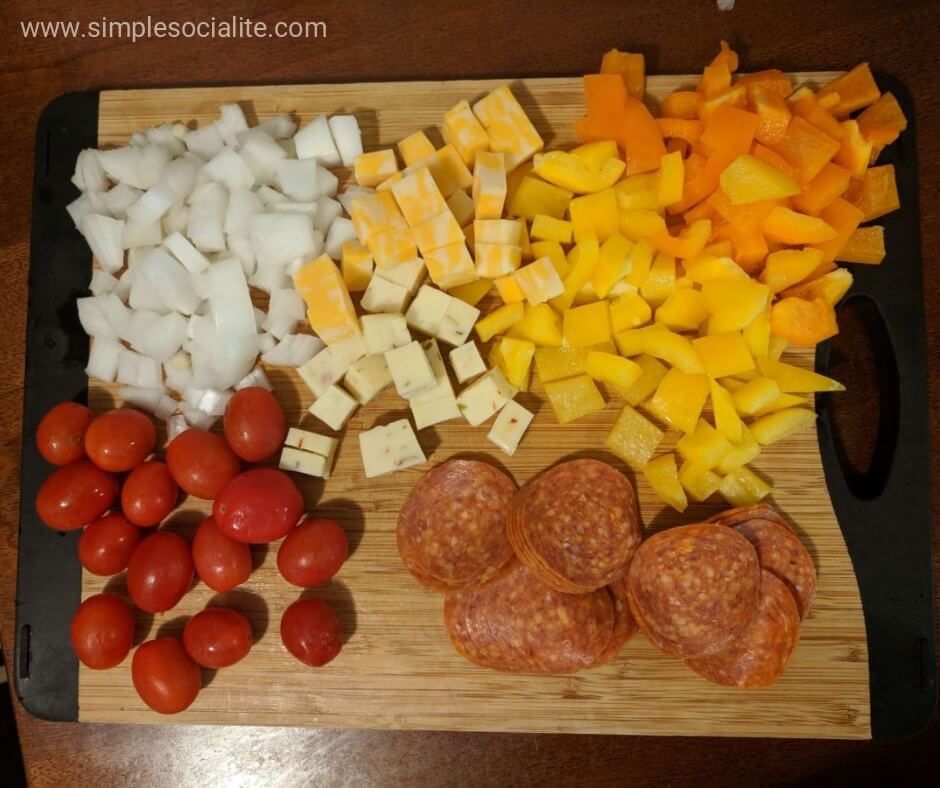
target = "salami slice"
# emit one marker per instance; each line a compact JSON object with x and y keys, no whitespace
{"x":694,"y":589}
{"x":780,"y":551}
{"x":759,"y":656}
{"x":624,"y":622}
{"x":452,"y":527}
{"x":518,"y":624}
{"x":576,"y":525}
{"x":743,"y":514}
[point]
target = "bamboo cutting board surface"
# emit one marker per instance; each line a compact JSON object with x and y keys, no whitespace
{"x":397,"y":668}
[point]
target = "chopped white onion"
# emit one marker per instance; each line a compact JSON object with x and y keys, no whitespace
{"x":328,"y":210}
{"x":102,"y":282}
{"x":231,"y":121}
{"x":270,"y":196}
{"x":278,"y":238}
{"x":213,"y":402}
{"x":348,"y":139}
{"x":341,"y":231}
{"x":293,"y":350}
{"x":229,"y":299}
{"x":170,"y":280}
{"x":139,"y":166}
{"x":141,"y":234}
{"x":168,"y":137}
{"x":179,"y":246}
{"x":89,"y":175}
{"x":309,"y":208}
{"x":207,"y":207}
{"x":280,"y":126}
{"x":118,"y":199}
{"x":242,"y":205}
{"x":299,"y":179}
{"x":205,"y":142}
{"x":240,"y":246}
{"x":166,"y":408}
{"x":104,"y":236}
{"x":178,"y":372}
{"x":197,"y":418}
{"x":176,"y":219}
{"x":103,"y":359}
{"x":315,"y":141}
{"x":164,"y":337}
{"x":175,"y":425}
{"x":261,"y":153}
{"x":256,"y":377}
{"x":145,"y":399}
{"x":266,"y":343}
{"x":229,"y":169}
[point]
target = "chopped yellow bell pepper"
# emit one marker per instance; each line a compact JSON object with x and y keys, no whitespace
{"x":663,"y":477}
{"x":610,"y":368}
{"x":733,"y":303}
{"x":509,"y":290}
{"x":639,"y":224}
{"x":595,"y":213}
{"x":553,"y":251}
{"x":596,"y":154}
{"x":582,"y":259}
{"x":779,"y":425}
{"x":638,"y":192}
{"x":865,"y":245}
{"x":683,"y":310}
{"x":671,"y":179}
{"x":675,"y":349}
{"x":743,"y":487}
{"x":539,"y":325}
{"x":573,"y":174}
{"x":573,"y":398}
{"x":472,"y":292}
{"x":748,"y":179}
{"x":652,"y":373}
{"x":830,"y":287}
{"x":698,"y":481}
{"x":724,"y":355}
{"x":679,"y":399}
{"x":786,"y":226}
{"x":629,"y":311}
{"x":546,"y":228}
{"x":557,"y":363}
{"x":499,"y":320}
{"x":708,"y":267}
{"x":514,"y":358}
{"x":704,"y":445}
{"x":612,"y":265}
{"x":641,"y":258}
{"x":741,"y":452}
{"x":587,"y":325}
{"x":782,"y":402}
{"x":788,"y":267}
{"x":634,"y":438}
{"x":660,"y":283}
{"x":757,"y":335}
{"x":727,"y":421}
{"x":534,"y":196}
{"x":755,"y":395}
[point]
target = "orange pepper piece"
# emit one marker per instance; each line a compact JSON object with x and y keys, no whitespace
{"x":700,"y":180}
{"x":583,"y":130}
{"x":604,"y":95}
{"x":730,"y":131}
{"x":688,"y":244}
{"x":716,"y":79}
{"x":831,"y":182}
{"x":803,"y":323}
{"x":736,"y":96}
{"x":771,"y":79}
{"x":806,"y":147}
{"x":727,"y":56}
{"x":875,"y":193}
{"x":786,"y":226}
{"x":641,"y":137}
{"x":865,"y":245}
{"x":882,"y":123}
{"x":772,"y":112}
{"x":776,"y":161}
{"x":804,"y":105}
{"x":854,"y":150}
{"x":844,"y":218}
{"x":681,"y":104}
{"x":674,"y":144}
{"x":680,"y":128}
{"x":630,"y":66}
{"x":856,"y":89}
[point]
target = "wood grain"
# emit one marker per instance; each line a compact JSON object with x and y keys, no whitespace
{"x":397,"y":669}
{"x":373,"y":39}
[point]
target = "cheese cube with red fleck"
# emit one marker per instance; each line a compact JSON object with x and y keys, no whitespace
{"x":392,"y":246}
{"x":450,"y":266}
{"x":509,"y":128}
{"x":329,"y":308}
{"x":489,"y":185}
{"x":418,"y":197}
{"x":374,"y":167}
{"x":497,"y":231}
{"x":373,"y":213}
{"x":539,"y":281}
{"x":509,"y":427}
{"x":462,"y":130}
{"x":442,"y":230}
{"x":461,"y":206}
{"x":496,"y":260}
{"x":415,"y":147}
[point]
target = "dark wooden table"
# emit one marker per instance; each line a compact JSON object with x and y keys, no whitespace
{"x":401,"y":40}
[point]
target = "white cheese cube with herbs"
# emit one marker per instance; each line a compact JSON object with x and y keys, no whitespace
{"x":367,"y":377}
{"x":467,"y":362}
{"x":390,"y":448}
{"x":304,"y":462}
{"x":509,"y":427}
{"x":384,"y":296}
{"x":428,"y":309}
{"x":334,"y":407}
{"x":307,"y":441}
{"x":441,"y":387}
{"x":485,"y":397}
{"x":458,"y":322}
{"x":384,"y":332}
{"x":411,"y":372}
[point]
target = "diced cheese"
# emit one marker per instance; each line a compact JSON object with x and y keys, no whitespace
{"x":384,"y":332}
{"x":509,"y":427}
{"x":348,"y":350}
{"x":334,"y":407}
{"x":451,"y":266}
{"x":458,"y":322}
{"x":440,"y":230}
{"x":442,"y":386}
{"x":374,"y":167}
{"x":408,"y":274}
{"x":427,"y":310}
{"x":356,"y":266}
{"x":437,"y":403}
{"x":329,"y":365}
{"x":495,"y":260}
{"x":304,"y":462}
{"x":415,"y":147}
{"x":509,"y":128}
{"x":483,"y":398}
{"x":306,"y":441}
{"x":467,"y":362}
{"x":418,"y":197}
{"x":539,"y":281}
{"x":464,"y":132}
{"x":390,"y":181}
{"x":367,"y":377}
{"x":497,"y":231}
{"x":392,"y":246}
{"x":411,"y":372}
{"x":389,"y":448}
{"x":330,"y":309}
{"x":508,"y":289}
{"x":461,"y":206}
{"x":374,"y":212}
{"x":489,"y":185}
{"x":428,"y":413}
{"x":449,"y":171}
{"x":384,"y":296}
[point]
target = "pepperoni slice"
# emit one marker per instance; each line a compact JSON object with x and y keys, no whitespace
{"x":576,"y":525}
{"x":694,"y":589}
{"x":780,"y":551}
{"x":743,"y":514}
{"x":759,"y":655}
{"x":518,"y":624}
{"x":624,"y":623}
{"x":452,"y":527}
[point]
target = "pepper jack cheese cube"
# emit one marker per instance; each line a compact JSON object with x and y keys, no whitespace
{"x":383,"y":296}
{"x":497,"y":231}
{"x":489,"y":185}
{"x":384,"y":332}
{"x":374,"y":167}
{"x":389,"y":448}
{"x":437,"y":403}
{"x":467,"y":362}
{"x":330,"y":309}
{"x":411,"y":372}
{"x":372,"y":213}
{"x":496,"y":260}
{"x":427,"y":310}
{"x":415,"y":147}
{"x":461,"y":206}
{"x":462,"y":130}
{"x":539,"y":281}
{"x":392,"y":246}
{"x":458,"y":322}
{"x":322,"y":371}
{"x":418,"y":197}
{"x":311,"y":442}
{"x":451,"y":266}
{"x":509,"y":427}
{"x":356,"y":266}
{"x":509,"y":128}
{"x":408,"y":274}
{"x":441,"y":230}
{"x":304,"y":462}
{"x":367,"y":377}
{"x":483,"y":398}
{"x":334,"y":407}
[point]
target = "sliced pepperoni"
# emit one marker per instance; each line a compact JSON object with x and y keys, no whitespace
{"x":743,"y":514}
{"x":518,"y":624}
{"x":759,"y":655}
{"x":576,"y":525}
{"x":780,"y":551}
{"x":694,"y":589}
{"x":452,"y":527}
{"x":624,"y":623}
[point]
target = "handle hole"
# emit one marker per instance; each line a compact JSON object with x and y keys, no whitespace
{"x":23,"y":660}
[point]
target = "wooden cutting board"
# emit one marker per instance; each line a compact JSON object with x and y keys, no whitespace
{"x":397,"y":669}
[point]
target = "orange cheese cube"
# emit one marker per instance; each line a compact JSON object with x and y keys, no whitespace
{"x":496,"y":260}
{"x":539,"y":281}
{"x":451,"y":266}
{"x":415,"y":147}
{"x":509,"y":128}
{"x":442,"y":230}
{"x":418,"y":197}
{"x":356,"y":266}
{"x":372,"y":168}
{"x":392,"y":246}
{"x":489,"y":185}
{"x":461,"y":206}
{"x":330,"y":309}
{"x":462,"y":130}
{"x":373,"y":213}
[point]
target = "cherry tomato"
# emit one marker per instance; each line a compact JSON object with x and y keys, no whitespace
{"x":106,"y":545}
{"x":120,"y":439}
{"x":257,"y":506}
{"x":164,"y":676}
{"x":201,"y":463}
{"x":149,"y":494}
{"x":221,"y":562}
{"x":160,"y":572}
{"x":217,"y":637}
{"x":254,"y":424}
{"x":312,"y":553}
{"x":74,"y":495}
{"x":60,"y":436}
{"x":102,"y":631}
{"x":311,"y":631}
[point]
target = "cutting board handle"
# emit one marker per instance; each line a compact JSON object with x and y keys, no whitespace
{"x":885,"y":514}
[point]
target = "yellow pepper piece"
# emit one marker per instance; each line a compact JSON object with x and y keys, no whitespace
{"x":742,"y":487}
{"x":499,"y":320}
{"x":679,"y":399}
{"x":663,"y":477}
{"x":775,"y":348}
{"x":660,"y":283}
{"x":472,"y":292}
{"x":540,"y":325}
{"x":776,"y":426}
{"x":639,"y":224}
{"x":612,"y":265}
{"x":865,"y":245}
{"x":788,"y":267}
{"x":671,"y":179}
{"x":656,"y":340}
{"x":629,"y":311}
{"x":757,"y":335}
{"x":755,"y":395}
{"x":749,"y":179}
{"x":683,"y":310}
{"x":782,"y":402}
{"x":514,"y":358}
{"x":698,"y":481}
{"x":582,"y":259}
{"x":733,"y":303}
{"x":829,"y":287}
{"x":596,"y":213}
{"x":652,"y":373}
{"x":610,"y":368}
{"x":727,"y":421}
{"x":741,"y":452}
{"x":533,"y":196}
{"x":794,"y":380}
{"x":708,"y":268}
{"x":573,"y":398}
{"x":547,"y":228}
{"x":596,"y":154}
{"x":641,"y":259}
{"x":634,"y":438}
{"x":553,"y":251}
{"x":587,"y":325}
{"x":638,"y":192}
{"x":571,"y":173}
{"x":724,"y":355}
{"x":704,"y":445}
{"x":509,"y":290}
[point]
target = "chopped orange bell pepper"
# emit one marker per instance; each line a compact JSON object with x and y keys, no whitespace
{"x":806,"y":147}
{"x":829,"y":287}
{"x":688,"y":244}
{"x":681,"y":104}
{"x":716,"y":79}
{"x":844,"y":218}
{"x":726,"y":56}
{"x":675,"y":145}
{"x":730,"y":131}
{"x":604,"y":95}
{"x":831,"y":182}
{"x":804,"y":104}
{"x":701,"y":179}
{"x":856,"y":89}
{"x":631,"y":68}
{"x":703,"y":210}
{"x":882,"y":123}
{"x":736,"y":96}
{"x":854,"y":150}
{"x":641,"y":137}
{"x":680,"y":128}
{"x":803,"y":323}
{"x":583,"y":129}
{"x":743,"y":228}
{"x":776,"y":161}
{"x":789,"y":227}
{"x":875,"y":193}
{"x":865,"y":245}
{"x":772,"y":111}
{"x":772,"y":79}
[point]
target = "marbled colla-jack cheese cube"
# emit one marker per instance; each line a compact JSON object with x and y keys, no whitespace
{"x":389,"y":448}
{"x":461,"y":206}
{"x":496,"y":260}
{"x":441,"y":230}
{"x":330,"y":309}
{"x":489,"y":185}
{"x":418,"y":197}
{"x":374,"y":212}
{"x":392,"y":246}
{"x":411,"y":372}
{"x":497,"y":231}
{"x":451,"y":266}
{"x":334,"y":407}
{"x":415,"y":147}
{"x":384,"y":331}
{"x":356,"y":266}
{"x":408,"y":274}
{"x":467,"y":362}
{"x":509,"y":426}
{"x":462,"y":130}
{"x":509,"y":128}
{"x":374,"y":167}
{"x":539,"y":281}
{"x":485,"y":397}
{"x":367,"y":377}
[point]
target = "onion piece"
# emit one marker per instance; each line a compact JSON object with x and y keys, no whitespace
{"x":229,"y":299}
{"x":293,"y":350}
{"x":103,"y":315}
{"x":270,"y":196}
{"x":315,"y":141}
{"x":175,"y":425}
{"x":278,"y":238}
{"x":240,"y":246}
{"x":141,"y":234}
{"x":242,"y":205}
{"x":229,"y":169}
{"x":207,"y":207}
{"x":341,"y":231}
{"x":179,"y":246}
{"x":266,"y":343}
{"x":280,"y":126}
{"x":166,"y":408}
{"x":256,"y":377}
{"x":348,"y":138}
{"x":213,"y":402}
{"x":170,"y":280}
{"x":231,"y":121}
{"x":103,"y":359}
{"x":118,"y":199}
{"x":197,"y":418}
{"x":139,"y":166}
{"x":328,"y":210}
{"x":89,"y":175}
{"x":164,"y":337}
{"x":145,"y":399}
{"x":102,"y":282}
{"x":299,"y":179}
{"x":260,"y":153}
{"x":205,"y":142}
{"x":178,"y":372}
{"x":104,"y":236}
